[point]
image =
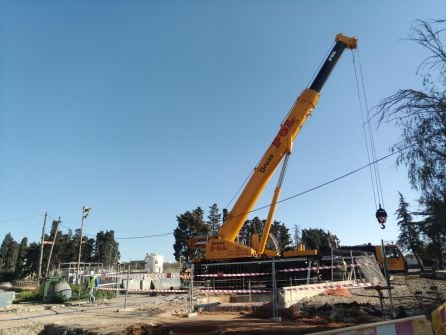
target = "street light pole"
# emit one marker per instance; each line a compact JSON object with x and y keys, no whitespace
{"x":85,"y":212}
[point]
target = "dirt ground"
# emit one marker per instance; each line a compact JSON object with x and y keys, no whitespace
{"x":412,"y":295}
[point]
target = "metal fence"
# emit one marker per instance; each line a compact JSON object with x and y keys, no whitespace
{"x":261,"y":286}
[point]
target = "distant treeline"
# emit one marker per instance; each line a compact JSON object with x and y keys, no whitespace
{"x":21,"y":260}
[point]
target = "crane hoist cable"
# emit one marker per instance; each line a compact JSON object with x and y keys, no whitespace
{"x":381,"y":214}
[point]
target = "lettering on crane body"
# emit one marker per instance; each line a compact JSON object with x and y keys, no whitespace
{"x":238,"y":253}
{"x":267,"y":163}
{"x":331,"y":56}
{"x":284,"y":130}
{"x":217,"y":246}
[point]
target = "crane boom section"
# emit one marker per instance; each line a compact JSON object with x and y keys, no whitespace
{"x":263,"y":172}
{"x":281,"y":144}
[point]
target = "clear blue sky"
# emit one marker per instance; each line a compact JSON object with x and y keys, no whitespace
{"x":143,"y":110}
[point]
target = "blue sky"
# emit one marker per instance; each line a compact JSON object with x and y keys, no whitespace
{"x":143,"y":110}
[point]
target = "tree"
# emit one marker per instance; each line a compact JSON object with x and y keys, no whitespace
{"x":8,"y":254}
{"x":282,"y":234}
{"x":257,"y":226}
{"x":106,"y":248}
{"x":409,"y":237}
{"x":421,"y":114}
{"x":253,"y":226}
{"x":214,"y":219}
{"x":32,"y":259}
{"x":88,"y":248}
{"x":434,"y":226}
{"x":190,"y":224}
{"x":318,"y":239}
{"x":64,"y":249}
{"x":20,"y":267}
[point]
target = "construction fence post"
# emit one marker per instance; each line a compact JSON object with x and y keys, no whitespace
{"x":191,"y":291}
{"x":127,"y":288}
{"x":117,"y":282}
{"x":274,"y":296}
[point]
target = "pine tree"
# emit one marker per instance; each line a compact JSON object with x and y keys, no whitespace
{"x":190,"y":224}
{"x":214,"y":219}
{"x":434,"y":226}
{"x":318,"y":239}
{"x":8,"y":254}
{"x":20,"y":267}
{"x":282,"y":234}
{"x":106,"y":248}
{"x":409,"y":237}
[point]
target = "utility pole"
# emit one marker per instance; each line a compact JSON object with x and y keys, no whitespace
{"x":39,"y":275}
{"x":52,"y":246}
{"x":85,"y":212}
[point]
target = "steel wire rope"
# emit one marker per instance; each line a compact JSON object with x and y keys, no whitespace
{"x":241,"y":186}
{"x":376,"y":166}
{"x":368,"y":132}
{"x":369,"y":159}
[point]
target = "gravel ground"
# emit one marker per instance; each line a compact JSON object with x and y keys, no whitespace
{"x":411,"y":295}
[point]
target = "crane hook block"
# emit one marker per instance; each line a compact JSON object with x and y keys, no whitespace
{"x":381,"y":216}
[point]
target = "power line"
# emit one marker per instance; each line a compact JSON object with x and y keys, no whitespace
{"x":146,"y":236}
{"x":333,"y":180}
{"x":23,"y":219}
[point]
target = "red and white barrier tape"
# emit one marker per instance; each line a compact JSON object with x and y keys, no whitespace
{"x":325,"y":286}
{"x":145,"y":275}
{"x":325,"y":267}
{"x":253,"y":274}
{"x":141,"y":291}
{"x":220,"y":274}
{"x":292,"y":288}
{"x":233,"y":291}
{"x":283,"y":289}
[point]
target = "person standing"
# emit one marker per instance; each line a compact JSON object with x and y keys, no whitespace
{"x":92,"y":284}
{"x":343,"y":268}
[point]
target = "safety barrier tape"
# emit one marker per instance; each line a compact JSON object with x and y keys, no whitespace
{"x":325,"y":267}
{"x":233,"y":291}
{"x":145,"y":275}
{"x":326,"y":285}
{"x":141,"y":290}
{"x":253,"y":274}
{"x":220,"y":274}
{"x":207,"y":291}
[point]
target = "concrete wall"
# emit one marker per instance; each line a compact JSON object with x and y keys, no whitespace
{"x":288,"y":296}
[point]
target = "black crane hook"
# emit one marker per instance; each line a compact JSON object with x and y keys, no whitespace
{"x":381,"y":216}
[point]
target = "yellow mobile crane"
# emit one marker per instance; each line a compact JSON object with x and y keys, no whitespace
{"x":224,"y":246}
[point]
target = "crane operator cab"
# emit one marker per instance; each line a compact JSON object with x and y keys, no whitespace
{"x":381,"y":216}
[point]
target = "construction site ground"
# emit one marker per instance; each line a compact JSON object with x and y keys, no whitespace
{"x":412,"y":295}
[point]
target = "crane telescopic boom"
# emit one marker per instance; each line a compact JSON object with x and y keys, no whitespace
{"x":223,"y":245}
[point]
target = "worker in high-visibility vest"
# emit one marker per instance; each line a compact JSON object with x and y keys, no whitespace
{"x":343,"y":268}
{"x":92,"y":284}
